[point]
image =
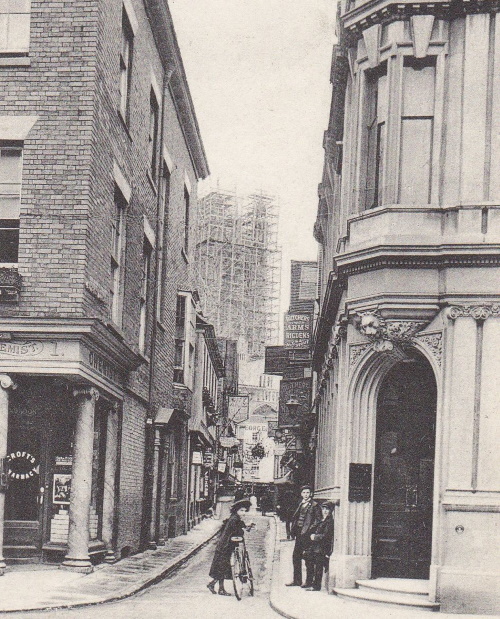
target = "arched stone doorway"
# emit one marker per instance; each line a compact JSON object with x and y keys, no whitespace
{"x":404,"y":470}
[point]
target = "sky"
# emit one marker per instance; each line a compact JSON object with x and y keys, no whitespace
{"x":258,"y":72}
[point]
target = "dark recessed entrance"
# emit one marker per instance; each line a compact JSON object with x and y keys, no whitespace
{"x":404,"y":468}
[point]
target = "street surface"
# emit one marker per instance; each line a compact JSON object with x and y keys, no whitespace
{"x":184,"y":594}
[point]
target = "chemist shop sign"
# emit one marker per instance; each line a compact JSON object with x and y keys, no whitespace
{"x":22,"y":465}
{"x":298,"y":329}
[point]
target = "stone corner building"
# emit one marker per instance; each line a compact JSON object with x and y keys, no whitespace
{"x":408,"y":338}
{"x":100,"y":154}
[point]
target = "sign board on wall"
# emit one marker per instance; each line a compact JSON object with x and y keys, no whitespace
{"x":298,"y":330}
{"x":238,"y":408}
{"x":197,"y":457}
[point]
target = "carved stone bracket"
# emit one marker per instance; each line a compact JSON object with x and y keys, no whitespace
{"x":478,"y":312}
{"x":434,"y":342}
{"x":380,"y":331}
{"x":339,"y":332}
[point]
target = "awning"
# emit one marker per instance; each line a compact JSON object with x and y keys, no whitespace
{"x":167,"y":415}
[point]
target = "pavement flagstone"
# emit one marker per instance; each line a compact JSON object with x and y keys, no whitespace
{"x":46,"y":587}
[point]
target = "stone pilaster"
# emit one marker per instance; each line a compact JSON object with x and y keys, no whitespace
{"x":81,"y":482}
{"x":6,"y":383}
{"x":154,"y":499}
{"x":108,"y":505}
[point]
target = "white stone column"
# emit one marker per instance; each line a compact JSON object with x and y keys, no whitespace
{"x":108,"y":502}
{"x":78,"y":558}
{"x":6,"y":383}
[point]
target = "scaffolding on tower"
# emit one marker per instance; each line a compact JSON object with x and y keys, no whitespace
{"x":239,"y":264}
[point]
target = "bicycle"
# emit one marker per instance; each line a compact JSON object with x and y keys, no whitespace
{"x":240,"y":568}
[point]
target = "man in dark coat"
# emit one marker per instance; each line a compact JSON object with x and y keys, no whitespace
{"x":221,"y":564}
{"x":319,"y":552}
{"x":306,"y":516}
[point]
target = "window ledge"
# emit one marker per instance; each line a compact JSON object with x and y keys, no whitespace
{"x":161,"y":325}
{"x":15,"y":61}
{"x":112,"y":326}
{"x":124,"y":124}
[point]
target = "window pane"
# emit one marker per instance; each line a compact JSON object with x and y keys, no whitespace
{"x":10,"y":165}
{"x":418,"y":91}
{"x":3,"y":32}
{"x":19,"y":6}
{"x":9,"y":241}
{"x":416,"y":153}
{"x":19,"y":33}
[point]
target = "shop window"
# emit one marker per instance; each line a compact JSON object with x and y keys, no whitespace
{"x":417,"y":130}
{"x":117,"y":252}
{"x":154,"y":119}
{"x":11,"y":158}
{"x":145,"y":298}
{"x":375,"y":137}
{"x":15,"y":16}
{"x":126,"y":52}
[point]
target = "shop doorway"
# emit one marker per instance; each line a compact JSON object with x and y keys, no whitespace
{"x":404,"y":469}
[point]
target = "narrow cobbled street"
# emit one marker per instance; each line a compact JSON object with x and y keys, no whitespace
{"x":184,"y":595}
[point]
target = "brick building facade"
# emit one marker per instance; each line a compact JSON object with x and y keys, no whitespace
{"x":100,"y":157}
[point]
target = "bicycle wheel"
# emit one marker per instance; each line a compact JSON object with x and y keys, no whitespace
{"x":249,"y":574}
{"x":236,"y":571}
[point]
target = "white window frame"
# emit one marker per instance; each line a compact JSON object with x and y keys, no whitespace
{"x":11,"y":191}
{"x":14,"y":40}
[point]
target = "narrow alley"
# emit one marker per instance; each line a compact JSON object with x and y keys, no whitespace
{"x":184,"y":595}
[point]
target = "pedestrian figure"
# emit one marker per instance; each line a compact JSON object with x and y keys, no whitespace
{"x":317,"y":556}
{"x":306,"y":516}
{"x":220,"y":569}
{"x":266,"y":503}
{"x":286,"y":509}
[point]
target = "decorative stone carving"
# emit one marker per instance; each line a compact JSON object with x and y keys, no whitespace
{"x":377,"y":329}
{"x":434,"y":342}
{"x":355,"y":352}
{"x":6,"y":382}
{"x":89,"y":393}
{"x":478,"y":312}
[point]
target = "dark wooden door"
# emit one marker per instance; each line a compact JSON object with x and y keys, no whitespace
{"x":404,"y":465}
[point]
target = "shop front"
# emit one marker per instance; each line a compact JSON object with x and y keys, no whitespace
{"x":60,"y":417}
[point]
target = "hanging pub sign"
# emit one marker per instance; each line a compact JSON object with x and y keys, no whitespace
{"x":221,"y":467}
{"x":360,"y":482}
{"x":208,"y":458}
{"x":22,"y":465}
{"x":197,"y":457}
{"x":298,"y":330}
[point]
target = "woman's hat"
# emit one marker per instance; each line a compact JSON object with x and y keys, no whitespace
{"x":239,"y":504}
{"x":329,"y":505}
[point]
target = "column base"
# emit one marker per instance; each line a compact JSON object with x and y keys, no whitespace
{"x":161,"y":541}
{"x":346,"y":569}
{"x":3,"y":567}
{"x":152,"y":546}
{"x":110,"y":557}
{"x":83,"y":566}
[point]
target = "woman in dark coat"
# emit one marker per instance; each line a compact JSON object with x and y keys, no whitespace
{"x":321,"y":546}
{"x":221,"y":564}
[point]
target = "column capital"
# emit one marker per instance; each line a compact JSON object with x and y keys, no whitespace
{"x":478,"y":312}
{"x":6,"y":382}
{"x":87,"y":393}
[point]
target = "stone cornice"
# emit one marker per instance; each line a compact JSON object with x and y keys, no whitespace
{"x":405,"y":257}
{"x":90,"y":330}
{"x":385,"y":11}
{"x":478,"y":312}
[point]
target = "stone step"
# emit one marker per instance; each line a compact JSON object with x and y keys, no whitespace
{"x":396,"y":585}
{"x":407,"y":600}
